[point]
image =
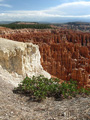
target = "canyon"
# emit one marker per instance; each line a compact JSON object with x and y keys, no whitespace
{"x":65,"y":54}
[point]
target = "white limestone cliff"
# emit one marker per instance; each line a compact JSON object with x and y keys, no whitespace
{"x":21,"y":58}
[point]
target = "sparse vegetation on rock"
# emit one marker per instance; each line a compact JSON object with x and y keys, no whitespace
{"x":40,"y":87}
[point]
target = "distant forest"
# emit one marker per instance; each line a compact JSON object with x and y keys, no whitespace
{"x":22,"y":26}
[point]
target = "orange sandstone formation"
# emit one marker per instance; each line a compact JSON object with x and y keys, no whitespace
{"x":64,"y":53}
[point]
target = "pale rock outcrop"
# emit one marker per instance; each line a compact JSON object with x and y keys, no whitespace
{"x":21,"y":58}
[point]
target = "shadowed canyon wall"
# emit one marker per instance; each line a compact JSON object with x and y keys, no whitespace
{"x":64,"y":53}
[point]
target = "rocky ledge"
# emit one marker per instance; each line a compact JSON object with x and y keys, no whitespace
{"x":21,"y":58}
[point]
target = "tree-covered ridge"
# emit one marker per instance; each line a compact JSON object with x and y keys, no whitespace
{"x":22,"y":26}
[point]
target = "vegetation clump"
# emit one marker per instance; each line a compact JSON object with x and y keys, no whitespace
{"x":40,"y":87}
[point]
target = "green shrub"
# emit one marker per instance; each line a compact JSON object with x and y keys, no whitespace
{"x":84,"y":91}
{"x":69,"y":88}
{"x":41,"y":87}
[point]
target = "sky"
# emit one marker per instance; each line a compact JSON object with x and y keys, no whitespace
{"x":45,"y":10}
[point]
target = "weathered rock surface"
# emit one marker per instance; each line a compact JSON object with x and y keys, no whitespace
{"x":21,"y":58}
{"x":64,"y":53}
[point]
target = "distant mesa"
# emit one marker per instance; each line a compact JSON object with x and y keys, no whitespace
{"x":28,"y":23}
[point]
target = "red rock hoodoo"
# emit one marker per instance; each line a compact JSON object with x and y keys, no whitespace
{"x":64,"y":53}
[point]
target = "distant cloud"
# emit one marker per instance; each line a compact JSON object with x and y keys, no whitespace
{"x":68,"y":1}
{"x":5,"y":5}
{"x":79,"y":9}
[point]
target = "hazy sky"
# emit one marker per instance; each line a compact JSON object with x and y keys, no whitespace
{"x":45,"y":10}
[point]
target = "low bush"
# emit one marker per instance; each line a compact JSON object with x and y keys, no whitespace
{"x":40,"y":87}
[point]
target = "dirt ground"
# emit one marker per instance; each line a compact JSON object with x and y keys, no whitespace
{"x":19,"y":107}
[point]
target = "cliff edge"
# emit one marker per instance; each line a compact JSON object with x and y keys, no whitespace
{"x":21,"y":58}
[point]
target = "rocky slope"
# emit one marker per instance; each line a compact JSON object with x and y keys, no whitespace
{"x":64,"y":53}
{"x":19,"y":107}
